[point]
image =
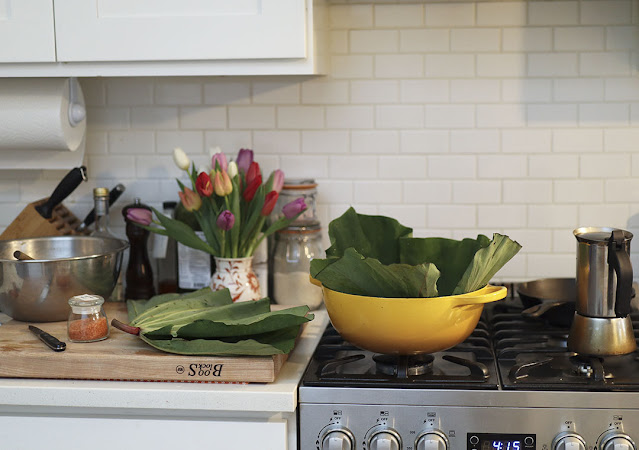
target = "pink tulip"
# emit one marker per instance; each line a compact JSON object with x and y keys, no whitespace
{"x":139,"y":215}
{"x":190,"y":200}
{"x":219,"y":158}
{"x":278,"y":180}
{"x":293,"y":208}
{"x":226,"y":220}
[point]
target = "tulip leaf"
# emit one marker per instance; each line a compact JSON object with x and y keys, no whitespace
{"x":181,"y":232}
{"x":273,"y":343}
{"x":451,"y":256}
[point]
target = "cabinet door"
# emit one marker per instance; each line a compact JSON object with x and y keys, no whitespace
{"x":26,"y":31}
{"x":156,"y":30}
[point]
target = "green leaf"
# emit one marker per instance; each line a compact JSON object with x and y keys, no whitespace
{"x":372,"y":236}
{"x":183,"y":233}
{"x":355,"y":274}
{"x":277,"y":342}
{"x":486,"y":263}
{"x":451,"y":257}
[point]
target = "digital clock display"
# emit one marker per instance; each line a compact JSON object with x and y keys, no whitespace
{"x":501,"y":441}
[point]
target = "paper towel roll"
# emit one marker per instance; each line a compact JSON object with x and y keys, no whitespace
{"x":34,"y":114}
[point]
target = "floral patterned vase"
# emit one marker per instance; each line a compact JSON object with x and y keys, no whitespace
{"x":237,"y":275}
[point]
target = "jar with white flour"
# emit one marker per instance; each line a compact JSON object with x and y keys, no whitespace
{"x":295,"y":246}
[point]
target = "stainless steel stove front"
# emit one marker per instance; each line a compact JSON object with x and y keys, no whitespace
{"x":408,"y":419}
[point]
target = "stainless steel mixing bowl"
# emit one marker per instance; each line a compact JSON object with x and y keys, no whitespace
{"x":38,"y":290}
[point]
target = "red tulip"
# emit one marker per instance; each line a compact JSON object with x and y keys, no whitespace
{"x":253,"y":172}
{"x":203,"y":185}
{"x":269,"y":203}
{"x":251,"y":188}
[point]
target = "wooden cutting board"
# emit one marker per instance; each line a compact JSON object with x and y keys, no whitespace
{"x":120,"y":357}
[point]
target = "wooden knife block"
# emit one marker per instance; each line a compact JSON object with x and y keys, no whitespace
{"x":30,"y":223}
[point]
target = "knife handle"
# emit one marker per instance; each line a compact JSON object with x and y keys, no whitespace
{"x":68,"y":184}
{"x":51,"y":342}
{"x":115,"y":194}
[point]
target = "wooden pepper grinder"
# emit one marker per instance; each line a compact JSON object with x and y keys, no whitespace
{"x":139,"y":275}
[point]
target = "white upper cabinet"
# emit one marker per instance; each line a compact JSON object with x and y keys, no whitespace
{"x":161,"y":37}
{"x":26,"y":31}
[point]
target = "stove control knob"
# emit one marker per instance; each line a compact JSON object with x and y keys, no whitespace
{"x":613,"y":440}
{"x":384,"y":439}
{"x":431,"y":440}
{"x":568,"y":441}
{"x":337,"y":438}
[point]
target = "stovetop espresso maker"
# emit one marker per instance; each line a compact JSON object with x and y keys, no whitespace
{"x":602,"y":325}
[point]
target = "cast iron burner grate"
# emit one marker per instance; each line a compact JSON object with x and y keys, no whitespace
{"x":337,"y":363}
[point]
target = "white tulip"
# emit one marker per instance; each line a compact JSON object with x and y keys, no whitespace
{"x":181,"y":159}
{"x":232,"y":169}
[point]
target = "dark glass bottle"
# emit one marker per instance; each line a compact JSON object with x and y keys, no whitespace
{"x":164,"y":249}
{"x":139,"y":275}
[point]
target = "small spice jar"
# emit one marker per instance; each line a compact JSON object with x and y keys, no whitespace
{"x":87,"y":319}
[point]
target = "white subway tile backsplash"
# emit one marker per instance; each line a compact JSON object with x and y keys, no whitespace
{"x":553,"y":166}
{"x":399,"y":116}
{"x":428,"y":192}
{"x":424,"y":40}
{"x":399,"y":66}
{"x":604,"y":165}
{"x":397,"y":16}
{"x":452,"y":167}
{"x":375,"y":141}
{"x":502,"y":14}
{"x":450,"y":116}
{"x":374,"y":41}
{"x":351,"y":117}
{"x":475,"y":39}
{"x":325,"y":142}
{"x":295,"y":117}
{"x":578,"y":191}
{"x":451,"y":216}
{"x":375,"y":92}
{"x":424,"y":141}
{"x":477,"y":192}
{"x":604,"y":12}
{"x":377,"y":191}
{"x":256,"y":117}
{"x":577,"y":140}
{"x":502,"y":167}
{"x":450,"y":15}
{"x":553,"y":13}
{"x":528,"y":191}
{"x":474,"y":91}
{"x":474,"y":141}
{"x":579,"y":38}
{"x":456,"y":117}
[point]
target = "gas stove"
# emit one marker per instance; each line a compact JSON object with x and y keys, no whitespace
{"x":512,"y":385}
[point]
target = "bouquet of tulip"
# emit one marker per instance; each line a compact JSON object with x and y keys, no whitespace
{"x":231,"y":204}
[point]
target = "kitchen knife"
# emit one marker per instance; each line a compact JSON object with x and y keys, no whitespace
{"x":52,"y":342}
{"x":115,"y":193}
{"x":68,"y":184}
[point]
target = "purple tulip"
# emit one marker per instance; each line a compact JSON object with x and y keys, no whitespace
{"x":244,"y":159}
{"x":293,"y":208}
{"x":139,"y":215}
{"x":219,"y":158}
{"x":226,"y":220}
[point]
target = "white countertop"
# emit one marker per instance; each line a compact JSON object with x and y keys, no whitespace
{"x":279,"y":396}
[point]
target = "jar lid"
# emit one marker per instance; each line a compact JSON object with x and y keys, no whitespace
{"x":86,"y":300}
{"x":312,"y":227}
{"x":299,"y":183}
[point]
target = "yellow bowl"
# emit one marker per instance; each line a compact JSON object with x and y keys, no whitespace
{"x":407,"y":326}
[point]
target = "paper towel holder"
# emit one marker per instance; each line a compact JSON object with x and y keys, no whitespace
{"x":77,"y":112}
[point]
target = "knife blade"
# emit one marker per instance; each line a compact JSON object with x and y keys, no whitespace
{"x":52,"y":342}
{"x":115,"y":193}
{"x":68,"y":184}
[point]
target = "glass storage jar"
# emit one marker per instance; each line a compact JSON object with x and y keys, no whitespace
{"x":295,"y":246}
{"x":87,"y":319}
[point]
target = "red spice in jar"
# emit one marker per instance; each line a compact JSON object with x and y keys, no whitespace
{"x":90,"y":329}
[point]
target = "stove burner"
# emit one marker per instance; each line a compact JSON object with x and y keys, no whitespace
{"x":403,"y":366}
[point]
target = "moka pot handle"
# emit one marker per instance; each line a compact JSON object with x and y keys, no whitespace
{"x":619,"y":260}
